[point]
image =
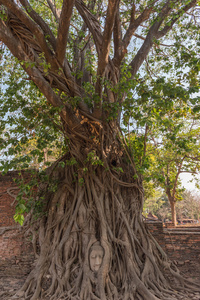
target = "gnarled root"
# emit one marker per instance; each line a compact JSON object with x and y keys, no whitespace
{"x":133,"y":265}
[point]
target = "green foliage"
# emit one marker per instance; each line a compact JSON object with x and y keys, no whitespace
{"x":94,"y":159}
{"x":159,"y":107}
{"x":153,"y":200}
{"x":71,"y":162}
{"x":28,"y":126}
{"x":26,"y":196}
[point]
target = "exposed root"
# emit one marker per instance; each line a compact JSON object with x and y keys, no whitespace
{"x":133,"y":266}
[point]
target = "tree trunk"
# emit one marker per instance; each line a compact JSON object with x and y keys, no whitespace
{"x":173,"y":212}
{"x":172,"y":205}
{"x":91,"y":242}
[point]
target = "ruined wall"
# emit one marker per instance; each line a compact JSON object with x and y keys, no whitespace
{"x":16,"y":254}
{"x":7,"y":207}
{"x":183,"y":245}
{"x":156,"y":229}
{"x":180,"y":243}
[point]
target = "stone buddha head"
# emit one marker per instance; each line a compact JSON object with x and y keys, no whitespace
{"x":96,"y":255}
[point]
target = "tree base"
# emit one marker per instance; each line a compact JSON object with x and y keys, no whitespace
{"x":103,"y":208}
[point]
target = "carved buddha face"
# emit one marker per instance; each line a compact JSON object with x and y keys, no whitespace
{"x":96,"y":256}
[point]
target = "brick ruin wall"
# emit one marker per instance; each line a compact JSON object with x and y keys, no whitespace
{"x":180,"y":243}
{"x":16,"y":254}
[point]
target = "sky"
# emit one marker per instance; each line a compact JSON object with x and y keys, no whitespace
{"x":185,"y":178}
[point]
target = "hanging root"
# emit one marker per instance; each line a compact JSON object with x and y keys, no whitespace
{"x":133,"y":266}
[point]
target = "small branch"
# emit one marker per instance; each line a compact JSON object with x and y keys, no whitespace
{"x":177,"y":175}
{"x":165,"y":30}
{"x":11,"y":194}
{"x":196,"y":158}
{"x":145,"y":143}
{"x":161,"y":44}
{"x":190,"y":172}
{"x":91,"y":22}
{"x":55,"y":11}
{"x":9,"y":228}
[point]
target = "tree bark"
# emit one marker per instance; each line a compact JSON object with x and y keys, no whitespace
{"x":173,"y":212}
{"x":95,"y":202}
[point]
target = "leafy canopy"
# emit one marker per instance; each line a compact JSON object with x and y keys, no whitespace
{"x":65,"y":64}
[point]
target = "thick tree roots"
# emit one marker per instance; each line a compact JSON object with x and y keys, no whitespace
{"x":102,"y":209}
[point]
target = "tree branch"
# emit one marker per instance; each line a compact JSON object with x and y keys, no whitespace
{"x":33,"y":27}
{"x":108,"y":29}
{"x":63,"y":29}
{"x":117,"y":35}
{"x":67,"y":114}
{"x":32,"y":50}
{"x":104,"y":53}
{"x":91,"y":22}
{"x":134,"y":24}
{"x":177,"y":175}
{"x":145,"y":48}
{"x":166,"y":29}
{"x":34,"y":15}
{"x":155,"y":33}
{"x":16,"y":49}
{"x":47,"y":31}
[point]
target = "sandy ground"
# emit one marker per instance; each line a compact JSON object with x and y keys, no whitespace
{"x":191,"y":270}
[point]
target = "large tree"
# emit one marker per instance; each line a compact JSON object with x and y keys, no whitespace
{"x":84,"y":60}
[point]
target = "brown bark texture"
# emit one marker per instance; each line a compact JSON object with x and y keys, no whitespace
{"x":94,"y":201}
{"x":173,"y":212}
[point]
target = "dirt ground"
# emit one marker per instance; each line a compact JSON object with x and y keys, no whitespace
{"x":191,"y":270}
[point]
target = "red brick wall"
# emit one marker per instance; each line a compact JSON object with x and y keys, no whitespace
{"x":179,"y":243}
{"x":183,"y":245}
{"x":156,"y":229}
{"x":16,"y":254}
{"x":6,"y":210}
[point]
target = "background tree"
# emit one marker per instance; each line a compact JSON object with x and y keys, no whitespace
{"x":189,"y":207}
{"x":153,"y":202}
{"x":84,"y":58}
{"x":165,"y":140}
{"x":174,"y":150}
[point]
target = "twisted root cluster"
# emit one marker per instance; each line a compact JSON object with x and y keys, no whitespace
{"x":102,"y":209}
